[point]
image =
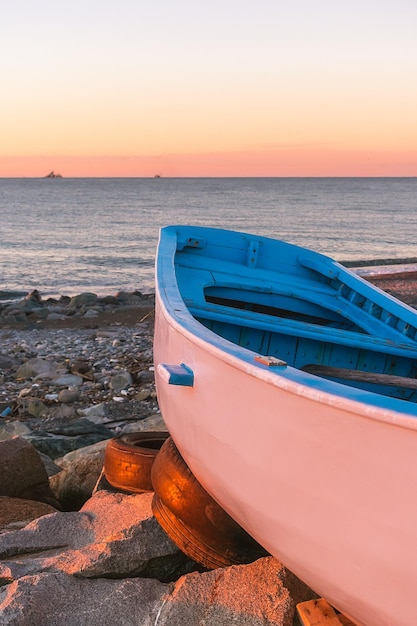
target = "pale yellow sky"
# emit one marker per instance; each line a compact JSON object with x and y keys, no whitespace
{"x":226,"y":88}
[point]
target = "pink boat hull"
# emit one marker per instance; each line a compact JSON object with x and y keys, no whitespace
{"x":324,"y":483}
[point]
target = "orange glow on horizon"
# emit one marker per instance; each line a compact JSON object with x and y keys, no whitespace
{"x":297,"y":162}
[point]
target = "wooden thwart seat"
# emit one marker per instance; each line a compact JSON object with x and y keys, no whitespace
{"x":361,"y":376}
{"x":295,"y":328}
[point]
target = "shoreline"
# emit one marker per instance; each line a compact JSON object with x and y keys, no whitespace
{"x":87,"y":310}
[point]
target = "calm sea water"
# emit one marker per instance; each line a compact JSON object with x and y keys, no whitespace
{"x":66,"y":236}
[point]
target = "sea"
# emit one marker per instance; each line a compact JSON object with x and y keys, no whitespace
{"x":65,"y":236}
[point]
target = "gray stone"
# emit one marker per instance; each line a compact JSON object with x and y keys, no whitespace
{"x":153,"y":422}
{"x":80,"y":471}
{"x":13,"y":429}
{"x":114,"y":535}
{"x":36,"y":367}
{"x":56,"y":447}
{"x":143,"y":550}
{"x":58,"y":531}
{"x":94,"y":413}
{"x":68,"y":380}
{"x":104,"y":516}
{"x":38,"y":312}
{"x":95,"y":450}
{"x":59,"y":599}
{"x":131,"y":299}
{"x":51,"y":467}
{"x":121,"y":381}
{"x":6,"y":363}
{"x":34,"y":297}
{"x":82,"y":300}
{"x":56,"y":316}
{"x":80,"y":426}
{"x":36,"y":407}
{"x":69,"y":396}
{"x":245,"y":595}
{"x":143,"y":394}
{"x":62,"y":412}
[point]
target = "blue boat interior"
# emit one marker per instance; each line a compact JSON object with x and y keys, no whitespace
{"x":301,"y":307}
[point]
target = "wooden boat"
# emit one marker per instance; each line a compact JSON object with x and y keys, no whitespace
{"x":288,"y":384}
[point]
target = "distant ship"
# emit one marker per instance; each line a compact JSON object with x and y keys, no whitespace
{"x":53,"y":175}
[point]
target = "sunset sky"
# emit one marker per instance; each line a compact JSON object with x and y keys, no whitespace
{"x":208,"y":88}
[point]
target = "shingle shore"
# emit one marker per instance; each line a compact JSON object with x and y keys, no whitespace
{"x":58,"y":361}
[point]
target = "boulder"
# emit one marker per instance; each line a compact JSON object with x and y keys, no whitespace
{"x":59,"y":599}
{"x":153,"y":422}
{"x":111,"y":563}
{"x":62,"y":438}
{"x":16,"y":513}
{"x":23,"y":473}
{"x":57,"y":446}
{"x":245,"y":595}
{"x":81,"y":469}
{"x":113,"y":536}
{"x":249,"y":595}
{"x":83,"y":300}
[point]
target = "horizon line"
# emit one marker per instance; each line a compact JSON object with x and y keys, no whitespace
{"x":161,"y":177}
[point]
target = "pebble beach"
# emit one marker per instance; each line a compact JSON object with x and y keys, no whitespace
{"x":64,"y":360}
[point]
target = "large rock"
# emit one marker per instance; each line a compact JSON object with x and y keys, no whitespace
{"x":114,"y":536}
{"x":71,"y":436}
{"x":23,"y":473}
{"x":48,"y":534}
{"x":81,"y":469}
{"x":58,"y":599}
{"x":245,"y":595}
{"x":83,"y":300}
{"x":151,"y":423}
{"x":16,"y":513}
{"x":111,"y":563}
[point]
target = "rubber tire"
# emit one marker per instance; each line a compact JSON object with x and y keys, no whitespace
{"x":192,"y":518}
{"x":128,"y":460}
